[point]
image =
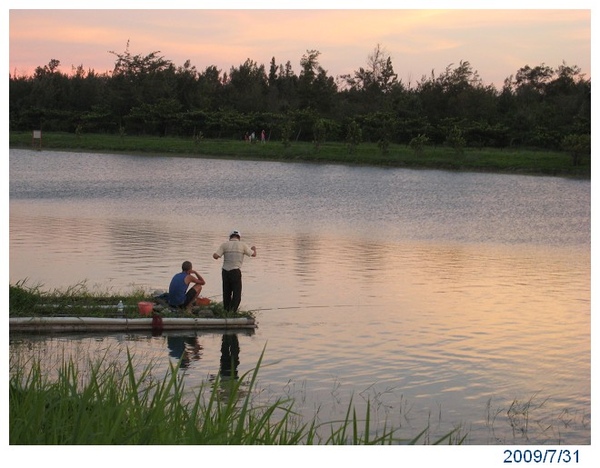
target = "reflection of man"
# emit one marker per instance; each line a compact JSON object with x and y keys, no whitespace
{"x":184,"y":348}
{"x":233,"y":252}
{"x":179,"y":296}
{"x":230,"y":356}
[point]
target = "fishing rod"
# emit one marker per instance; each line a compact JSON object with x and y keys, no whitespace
{"x":303,"y":307}
{"x":292,"y":307}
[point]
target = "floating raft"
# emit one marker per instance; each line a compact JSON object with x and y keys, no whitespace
{"x":84,"y":324}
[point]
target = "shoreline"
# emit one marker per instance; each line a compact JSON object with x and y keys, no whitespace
{"x":484,"y":160}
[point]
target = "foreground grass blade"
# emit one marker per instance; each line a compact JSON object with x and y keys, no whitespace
{"x":122,"y":404}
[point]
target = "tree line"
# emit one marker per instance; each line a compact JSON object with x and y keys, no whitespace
{"x":537,"y":107}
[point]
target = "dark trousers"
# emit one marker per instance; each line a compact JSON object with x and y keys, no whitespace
{"x":232,"y":289}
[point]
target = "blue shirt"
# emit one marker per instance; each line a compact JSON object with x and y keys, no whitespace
{"x":177,"y":289}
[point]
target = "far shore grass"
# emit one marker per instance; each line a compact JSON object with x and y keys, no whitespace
{"x":510,"y":160}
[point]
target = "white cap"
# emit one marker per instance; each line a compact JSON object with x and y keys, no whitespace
{"x":235,"y":232}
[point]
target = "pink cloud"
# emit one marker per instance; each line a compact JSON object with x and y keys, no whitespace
{"x":495,"y":42}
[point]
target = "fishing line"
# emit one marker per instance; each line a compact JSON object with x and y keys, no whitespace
{"x":304,"y":307}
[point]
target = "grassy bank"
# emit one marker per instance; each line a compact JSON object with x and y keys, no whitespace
{"x":124,"y":406}
{"x":518,"y":161}
{"x":79,"y":301}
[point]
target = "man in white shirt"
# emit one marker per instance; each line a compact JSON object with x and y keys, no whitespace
{"x":233,"y":252}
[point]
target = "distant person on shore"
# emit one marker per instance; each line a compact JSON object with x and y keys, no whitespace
{"x":233,"y":252}
{"x":179,"y":294}
{"x":263,"y":137}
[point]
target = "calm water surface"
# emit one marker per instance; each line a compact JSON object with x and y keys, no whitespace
{"x":444,"y":299}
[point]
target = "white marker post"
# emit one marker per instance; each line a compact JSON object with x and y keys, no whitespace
{"x":37,"y":137}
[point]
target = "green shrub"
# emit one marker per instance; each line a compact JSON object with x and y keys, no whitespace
{"x":418,"y":143}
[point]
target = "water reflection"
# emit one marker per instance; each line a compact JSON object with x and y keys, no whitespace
{"x":185,"y":349}
{"x":230,"y":357}
{"x":482,"y":280}
{"x":227,"y":386}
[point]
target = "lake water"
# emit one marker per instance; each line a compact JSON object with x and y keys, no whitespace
{"x":446,"y":300}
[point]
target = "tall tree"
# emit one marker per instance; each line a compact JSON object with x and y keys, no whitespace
{"x":378,"y":75}
{"x":210,"y":88}
{"x":247,"y":87}
{"x":315,"y":88}
{"x":139,"y":79}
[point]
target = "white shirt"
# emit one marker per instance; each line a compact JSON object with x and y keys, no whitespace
{"x":233,"y":252}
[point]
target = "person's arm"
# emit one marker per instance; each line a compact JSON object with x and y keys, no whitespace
{"x":250,"y":251}
{"x":195,"y":279}
{"x":219,"y":253}
{"x":200,"y":279}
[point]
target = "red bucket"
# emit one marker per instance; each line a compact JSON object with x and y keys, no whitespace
{"x":203,"y":301}
{"x":145,"y":308}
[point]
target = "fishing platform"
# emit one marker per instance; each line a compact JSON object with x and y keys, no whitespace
{"x":96,"y":324}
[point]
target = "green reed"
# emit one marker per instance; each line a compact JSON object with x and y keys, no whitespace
{"x":119,"y":405}
{"x":78,"y":299}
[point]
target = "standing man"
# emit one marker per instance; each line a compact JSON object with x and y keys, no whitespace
{"x":179,"y":296}
{"x":233,"y":252}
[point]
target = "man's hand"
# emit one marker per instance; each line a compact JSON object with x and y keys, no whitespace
{"x":198,"y":279}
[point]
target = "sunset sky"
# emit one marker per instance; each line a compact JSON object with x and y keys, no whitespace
{"x":496,"y":42}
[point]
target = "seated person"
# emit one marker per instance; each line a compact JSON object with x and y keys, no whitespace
{"x":179,"y":295}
